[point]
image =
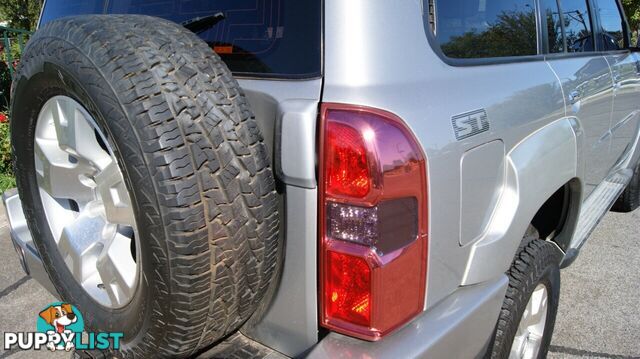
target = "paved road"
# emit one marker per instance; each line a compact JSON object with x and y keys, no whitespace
{"x":599,"y":314}
{"x":599,"y":305}
{"x":21,"y":298}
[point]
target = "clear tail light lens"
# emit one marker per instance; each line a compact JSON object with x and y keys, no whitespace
{"x":373,"y":222}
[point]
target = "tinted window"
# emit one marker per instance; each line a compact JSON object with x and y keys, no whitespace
{"x":279,"y":38}
{"x":551,"y":14}
{"x":577,"y":25}
{"x":486,"y":28}
{"x":612,"y":29}
{"x":60,"y":8}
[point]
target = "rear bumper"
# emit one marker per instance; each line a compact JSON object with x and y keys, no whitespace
{"x":460,"y":326}
{"x":23,"y":242}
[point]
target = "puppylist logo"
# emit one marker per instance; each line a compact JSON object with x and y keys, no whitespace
{"x":59,"y":327}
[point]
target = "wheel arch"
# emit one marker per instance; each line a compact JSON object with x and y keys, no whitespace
{"x":557,"y":218}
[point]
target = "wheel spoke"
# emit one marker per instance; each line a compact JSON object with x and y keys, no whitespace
{"x":57,"y":175}
{"x":534,"y":340}
{"x":518,"y":346}
{"x":86,"y":201}
{"x":538,"y":306}
{"x":115,"y":196}
{"x":117,"y":269}
{"x":76,"y":135}
{"x":522,"y":329}
{"x":528,"y":337}
{"x":526,"y":316}
{"x":80,"y":244}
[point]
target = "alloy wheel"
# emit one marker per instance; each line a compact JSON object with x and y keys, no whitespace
{"x":528,"y":339}
{"x":86,"y":202}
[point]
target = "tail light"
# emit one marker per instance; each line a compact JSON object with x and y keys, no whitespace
{"x":372,"y":222}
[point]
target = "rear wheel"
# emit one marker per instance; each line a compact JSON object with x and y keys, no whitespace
{"x":629,"y":200}
{"x":145,"y":181}
{"x":527,"y":318}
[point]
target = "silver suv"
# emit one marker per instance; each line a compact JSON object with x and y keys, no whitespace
{"x":361,"y":178}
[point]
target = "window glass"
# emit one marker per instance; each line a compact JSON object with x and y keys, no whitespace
{"x":577,"y":25}
{"x":277,"y":38}
{"x":486,"y":28}
{"x":61,"y":8}
{"x":611,"y":20}
{"x":554,"y":26}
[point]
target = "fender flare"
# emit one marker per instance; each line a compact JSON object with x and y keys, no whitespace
{"x":535,"y":168}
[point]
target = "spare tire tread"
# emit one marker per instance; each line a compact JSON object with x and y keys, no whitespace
{"x":209,"y":163}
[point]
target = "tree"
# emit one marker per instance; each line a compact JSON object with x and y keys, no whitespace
{"x":632,"y":10}
{"x":21,"y":14}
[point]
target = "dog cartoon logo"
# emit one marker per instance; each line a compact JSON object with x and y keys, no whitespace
{"x":60,"y":326}
{"x":62,"y":319}
{"x":59,"y":316}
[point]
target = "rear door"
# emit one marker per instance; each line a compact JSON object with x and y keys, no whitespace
{"x":614,"y":39}
{"x":586,"y":79}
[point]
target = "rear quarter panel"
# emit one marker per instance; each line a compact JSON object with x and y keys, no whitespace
{"x":379,"y":55}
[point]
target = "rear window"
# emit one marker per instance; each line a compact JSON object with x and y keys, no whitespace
{"x":272,"y":38}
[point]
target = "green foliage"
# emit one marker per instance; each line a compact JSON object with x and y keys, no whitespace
{"x":632,"y":10}
{"x":6,"y":182}
{"x":5,"y":148}
{"x":15,"y":50}
{"x":5,"y":74}
{"x":5,"y":86}
{"x":21,"y":14}
{"x":6,"y":169}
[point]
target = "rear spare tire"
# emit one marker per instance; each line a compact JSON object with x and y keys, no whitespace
{"x":145,"y":181}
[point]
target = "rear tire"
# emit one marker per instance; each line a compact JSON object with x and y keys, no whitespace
{"x":629,"y":200}
{"x":194,"y":164}
{"x":535,"y":267}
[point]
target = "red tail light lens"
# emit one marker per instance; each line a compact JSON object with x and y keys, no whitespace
{"x":348,"y":288}
{"x":373,"y":222}
{"x":346,"y":159}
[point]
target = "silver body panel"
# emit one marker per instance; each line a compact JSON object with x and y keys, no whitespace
{"x":287,"y":112}
{"x":23,"y":242}
{"x":587,"y":86}
{"x":426,"y":93}
{"x":551,"y":121}
{"x":290,"y":324}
